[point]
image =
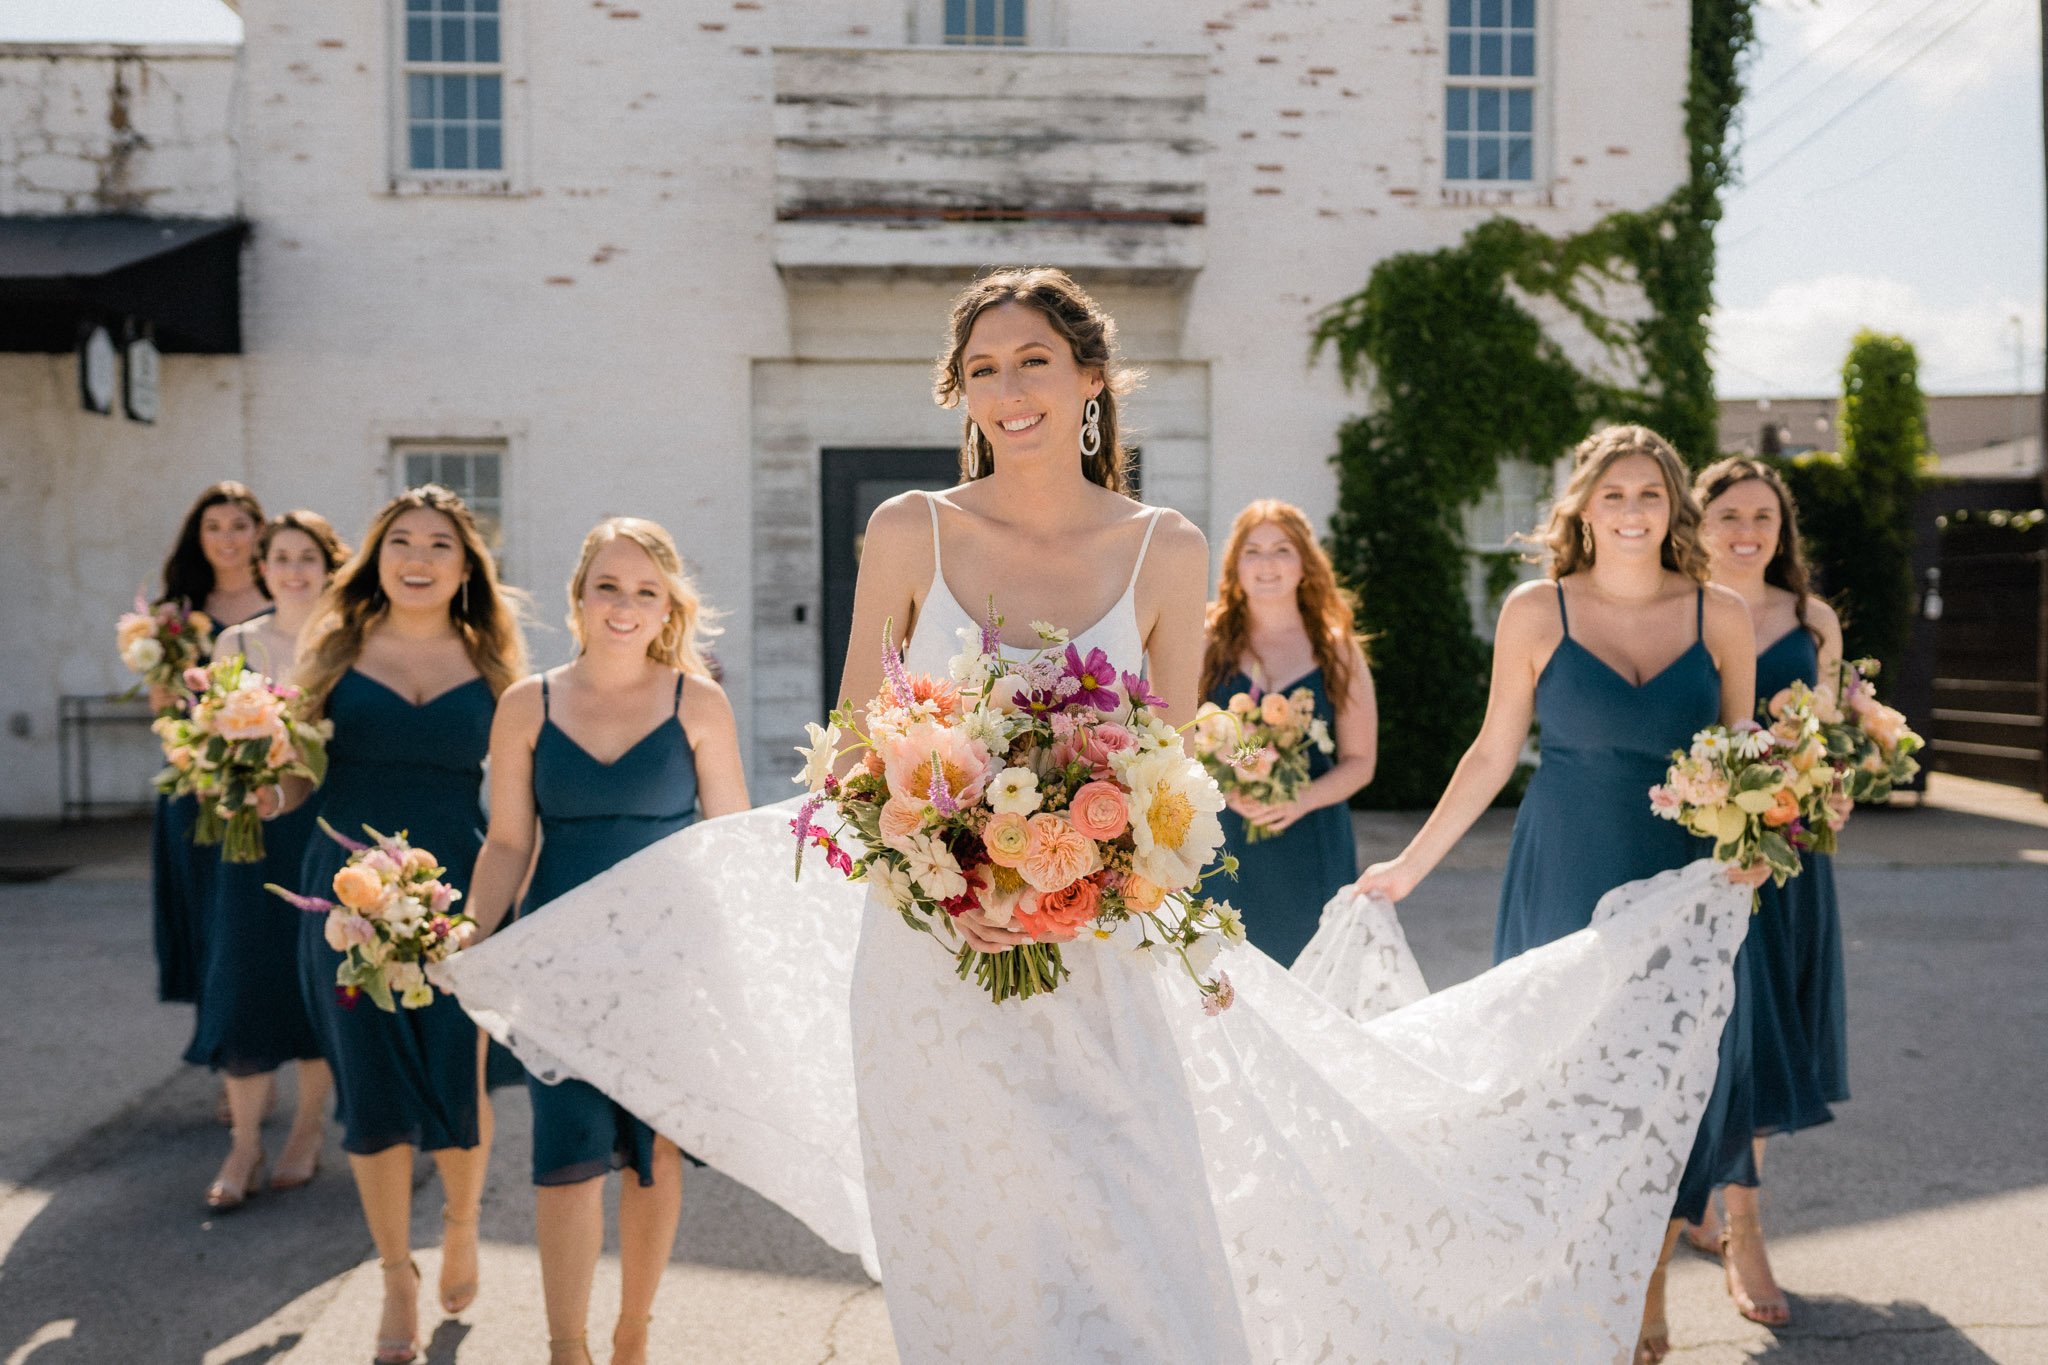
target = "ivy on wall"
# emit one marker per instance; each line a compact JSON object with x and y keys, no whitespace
{"x":1461,"y":375}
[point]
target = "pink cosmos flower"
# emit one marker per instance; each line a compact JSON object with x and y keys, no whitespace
{"x":1095,"y":675}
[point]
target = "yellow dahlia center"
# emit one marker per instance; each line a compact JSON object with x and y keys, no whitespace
{"x":1169,"y":817}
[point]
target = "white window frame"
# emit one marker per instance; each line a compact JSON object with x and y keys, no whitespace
{"x":928,"y":27}
{"x":493,"y":514}
{"x":509,"y":176}
{"x":1471,"y":192}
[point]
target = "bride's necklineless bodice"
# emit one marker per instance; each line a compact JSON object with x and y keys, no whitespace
{"x":935,"y":639}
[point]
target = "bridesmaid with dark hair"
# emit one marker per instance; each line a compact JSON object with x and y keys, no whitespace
{"x":1620,"y":656}
{"x":252,"y":1016}
{"x":407,"y":655}
{"x":1797,"y":1025}
{"x":1280,"y":622}
{"x":622,"y":747}
{"x":211,"y":568}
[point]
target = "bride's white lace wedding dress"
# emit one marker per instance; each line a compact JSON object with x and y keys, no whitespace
{"x":1105,"y":1174}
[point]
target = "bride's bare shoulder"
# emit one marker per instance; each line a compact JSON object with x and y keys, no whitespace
{"x":1179,"y":551}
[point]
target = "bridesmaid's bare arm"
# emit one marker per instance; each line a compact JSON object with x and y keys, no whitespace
{"x":507,"y":854}
{"x":1730,"y":636}
{"x":706,"y":714}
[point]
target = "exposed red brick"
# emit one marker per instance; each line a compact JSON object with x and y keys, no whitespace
{"x":1270,"y":169}
{"x":1322,"y":71}
{"x":712,"y":28}
{"x":332,"y":43}
{"x":750,"y":52}
{"x":1617,"y":151}
{"x":1265,"y":189}
{"x":561,"y":279}
{"x":621,"y":14}
{"x":1269,"y":61}
{"x":1290,"y":113}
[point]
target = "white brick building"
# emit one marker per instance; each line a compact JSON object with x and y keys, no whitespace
{"x":690,"y":260}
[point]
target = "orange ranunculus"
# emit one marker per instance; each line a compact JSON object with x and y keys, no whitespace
{"x":1274,"y":710}
{"x":1057,"y":916}
{"x":1100,"y":810}
{"x":1142,"y":894}
{"x":358,"y":887}
{"x":1007,"y":837}
{"x":1784,"y":809}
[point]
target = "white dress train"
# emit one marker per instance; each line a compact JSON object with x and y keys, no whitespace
{"x":1105,"y":1174}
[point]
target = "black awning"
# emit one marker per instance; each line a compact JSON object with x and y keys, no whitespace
{"x":180,"y":277}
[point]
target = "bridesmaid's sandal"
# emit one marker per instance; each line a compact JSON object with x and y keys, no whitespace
{"x":399,"y":1350}
{"x":1705,"y":1235}
{"x":569,"y":1351}
{"x":629,"y":1341}
{"x":457,"y":1295}
{"x":1746,"y":1230}
{"x":225,"y":1195}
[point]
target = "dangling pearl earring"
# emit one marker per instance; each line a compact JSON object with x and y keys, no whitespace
{"x":1091,"y":429}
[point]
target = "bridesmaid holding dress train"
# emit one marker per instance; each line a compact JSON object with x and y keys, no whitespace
{"x":252,"y":1016}
{"x":409,"y":651}
{"x":1752,"y":533}
{"x":1281,"y":622}
{"x":211,"y":568}
{"x":624,"y":746}
{"x":1620,"y":655}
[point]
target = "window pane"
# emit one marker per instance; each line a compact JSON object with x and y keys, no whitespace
{"x":956,"y":20}
{"x":418,"y":6}
{"x":984,"y":19}
{"x":488,"y":101}
{"x":419,"y":469}
{"x":1490,"y":13}
{"x":1461,"y":54}
{"x":451,"y":473}
{"x":1521,"y":111}
{"x":1489,"y":54}
{"x":1486,"y":158}
{"x":1521,"y":55}
{"x":486,"y":31}
{"x":419,"y":40}
{"x":419,"y":97}
{"x":1488,"y":118}
{"x":455,"y":147}
{"x":1522,"y":14}
{"x":1520,"y":158}
{"x":1458,"y":159}
{"x":454,"y":40}
{"x":454,"y":97}
{"x":484,"y":6}
{"x":483,"y":477}
{"x":1461,"y":13}
{"x":490,"y":147}
{"x":1457,"y":109}
{"x":420,"y":148}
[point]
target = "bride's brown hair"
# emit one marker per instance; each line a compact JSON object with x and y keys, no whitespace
{"x":1088,"y":330}
{"x":1328,"y":608}
{"x":484,"y":612}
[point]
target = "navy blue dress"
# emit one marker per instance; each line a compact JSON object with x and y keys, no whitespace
{"x":181,"y":876}
{"x":1283,"y":881}
{"x":593,"y":815}
{"x":1796,"y":939}
{"x":252,"y":1015}
{"x":410,"y":1076}
{"x":1585,"y":827}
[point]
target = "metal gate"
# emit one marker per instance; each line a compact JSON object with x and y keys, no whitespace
{"x":1990,"y":714}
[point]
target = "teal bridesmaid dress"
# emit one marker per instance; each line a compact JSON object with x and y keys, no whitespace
{"x":1585,"y":827}
{"x":593,"y":815}
{"x":1800,"y":1016}
{"x":410,"y":1076}
{"x":181,"y":876}
{"x":1283,"y":881}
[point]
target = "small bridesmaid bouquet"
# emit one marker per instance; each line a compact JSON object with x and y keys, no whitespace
{"x":1259,"y":746}
{"x":1868,"y":741}
{"x":1044,"y":796}
{"x":1759,"y":794}
{"x":240,"y":733}
{"x":159,"y":643}
{"x":392,"y":918}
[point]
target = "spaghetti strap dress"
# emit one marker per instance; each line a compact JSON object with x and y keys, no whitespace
{"x":1585,"y":827}
{"x":592,"y":816}
{"x":1283,"y":881}
{"x":410,"y":1076}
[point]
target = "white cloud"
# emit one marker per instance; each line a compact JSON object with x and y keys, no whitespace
{"x":1849,"y":45}
{"x":1794,"y":342}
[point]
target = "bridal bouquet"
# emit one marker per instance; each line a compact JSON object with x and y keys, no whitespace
{"x":240,"y":733}
{"x":159,"y":643}
{"x":392,"y":918}
{"x":1044,"y":796}
{"x":1761,"y":795}
{"x":1869,"y":741}
{"x":1259,"y":746}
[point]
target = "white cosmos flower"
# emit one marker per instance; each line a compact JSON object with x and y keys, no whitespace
{"x":988,"y":728}
{"x":932,"y":866}
{"x":970,"y":667}
{"x":891,"y":882}
{"x":1202,"y":953}
{"x":1754,"y":743}
{"x":143,"y":655}
{"x":1229,"y":922}
{"x":1014,"y":792}
{"x":823,"y":748}
{"x":1050,"y":633}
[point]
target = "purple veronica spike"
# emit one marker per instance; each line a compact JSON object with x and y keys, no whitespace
{"x":991,"y":630}
{"x":941,"y":795}
{"x":312,"y":905}
{"x":892,"y":670}
{"x":352,"y":845}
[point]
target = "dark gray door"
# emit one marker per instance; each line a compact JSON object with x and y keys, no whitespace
{"x":855,"y":481}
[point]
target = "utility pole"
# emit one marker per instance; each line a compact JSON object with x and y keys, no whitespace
{"x":2041,"y":443}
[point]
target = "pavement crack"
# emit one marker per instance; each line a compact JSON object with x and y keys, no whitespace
{"x":839,"y":1316}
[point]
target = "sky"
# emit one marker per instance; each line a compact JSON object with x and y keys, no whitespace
{"x":1890,"y":177}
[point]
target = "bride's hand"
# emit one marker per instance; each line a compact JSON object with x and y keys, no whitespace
{"x":1393,"y":879}
{"x":985,"y":938}
{"x":1753,"y":876}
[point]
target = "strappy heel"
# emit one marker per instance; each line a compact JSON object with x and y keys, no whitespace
{"x":1743,"y":1227}
{"x":456,"y":1297}
{"x":569,"y":1351}
{"x":221,"y":1197}
{"x":619,"y":1345}
{"x":400,"y":1350}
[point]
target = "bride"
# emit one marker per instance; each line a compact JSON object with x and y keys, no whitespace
{"x":1104,"y":1173}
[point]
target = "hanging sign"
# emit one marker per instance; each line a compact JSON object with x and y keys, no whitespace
{"x":96,"y":360}
{"x":141,"y":370}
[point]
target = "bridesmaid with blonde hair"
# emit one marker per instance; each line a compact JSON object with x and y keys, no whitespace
{"x":623,"y":746}
{"x":252,"y":1015}
{"x":1281,"y":622}
{"x":407,"y":655}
